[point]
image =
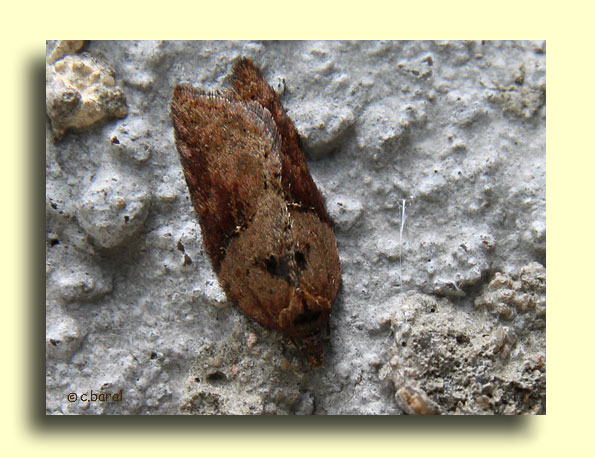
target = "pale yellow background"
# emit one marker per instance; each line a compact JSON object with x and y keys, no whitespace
{"x":566,"y":431}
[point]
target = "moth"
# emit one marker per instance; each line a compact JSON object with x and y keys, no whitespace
{"x":264,"y":224}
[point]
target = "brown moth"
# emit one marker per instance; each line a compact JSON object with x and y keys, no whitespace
{"x":263,"y":220}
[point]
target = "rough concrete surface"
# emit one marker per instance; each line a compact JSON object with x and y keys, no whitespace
{"x":442,"y":312}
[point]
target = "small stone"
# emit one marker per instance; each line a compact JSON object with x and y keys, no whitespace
{"x":322,"y":126}
{"x":63,"y":338}
{"x":82,"y":282}
{"x":113,"y":208}
{"x":252,"y":340}
{"x":131,"y":140}
{"x":415,"y":402}
{"x":345,"y":211}
{"x":387,"y":126}
{"x":64,"y":48}
{"x":81,"y":92}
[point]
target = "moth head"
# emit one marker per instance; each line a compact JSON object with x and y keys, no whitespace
{"x":304,"y":321}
